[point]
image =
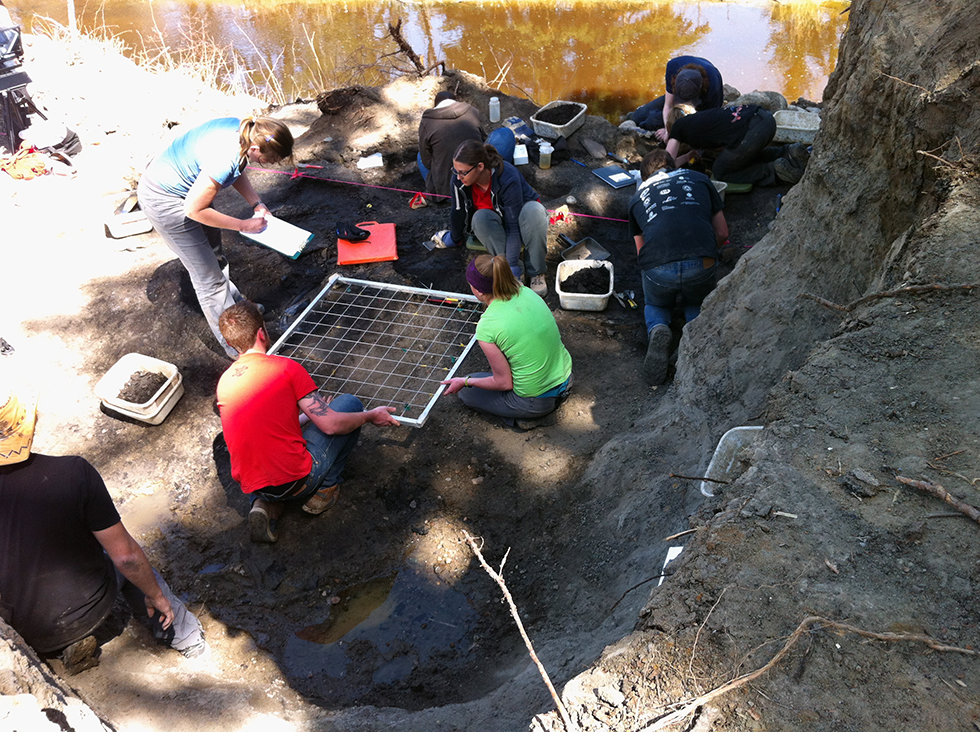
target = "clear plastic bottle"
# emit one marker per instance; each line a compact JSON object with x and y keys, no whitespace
{"x":494,"y":109}
{"x":544,"y":155}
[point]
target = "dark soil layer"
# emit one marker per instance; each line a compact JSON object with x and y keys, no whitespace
{"x":141,"y":386}
{"x":558,"y":115}
{"x":587,"y":281}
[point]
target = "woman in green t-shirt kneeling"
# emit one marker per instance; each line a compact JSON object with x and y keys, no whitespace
{"x":531,"y":371}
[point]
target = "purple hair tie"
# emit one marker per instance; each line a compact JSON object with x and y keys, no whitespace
{"x":478,"y":280}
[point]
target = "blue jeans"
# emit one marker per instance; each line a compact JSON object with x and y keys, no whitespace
{"x":651,"y":115}
{"x":507,"y":404}
{"x":199,"y":249}
{"x":661,"y":285}
{"x":502,"y":138}
{"x":329,"y":453}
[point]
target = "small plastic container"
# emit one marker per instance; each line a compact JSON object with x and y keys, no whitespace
{"x":553,"y":132}
{"x":723,"y":459}
{"x":578,"y":300}
{"x":520,"y":155}
{"x":494,"y":110}
{"x":544,"y":155}
{"x":155,"y":409}
{"x":795,"y":126}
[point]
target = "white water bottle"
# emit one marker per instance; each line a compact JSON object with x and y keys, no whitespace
{"x":494,"y":109}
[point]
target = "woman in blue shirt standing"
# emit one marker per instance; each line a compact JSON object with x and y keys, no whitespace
{"x":178,"y":188}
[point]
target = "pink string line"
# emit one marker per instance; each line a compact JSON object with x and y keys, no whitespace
{"x":296,"y":174}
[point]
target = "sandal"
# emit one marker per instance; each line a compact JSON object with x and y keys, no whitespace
{"x":322,"y":500}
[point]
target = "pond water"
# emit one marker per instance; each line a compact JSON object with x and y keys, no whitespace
{"x":610,"y":55}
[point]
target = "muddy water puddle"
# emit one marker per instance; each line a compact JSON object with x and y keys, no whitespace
{"x":379,"y":633}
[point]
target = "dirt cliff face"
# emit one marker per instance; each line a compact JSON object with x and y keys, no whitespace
{"x":849,"y":334}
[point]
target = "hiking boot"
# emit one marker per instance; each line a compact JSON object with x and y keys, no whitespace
{"x":658,"y":351}
{"x":80,"y":655}
{"x":787,"y":172}
{"x":261,"y":527}
{"x":797,"y":153}
{"x":200,"y":650}
{"x":539,"y":285}
{"x":322,"y":500}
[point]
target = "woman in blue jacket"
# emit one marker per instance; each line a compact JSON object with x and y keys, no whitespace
{"x":688,"y":80}
{"x":492,"y":201}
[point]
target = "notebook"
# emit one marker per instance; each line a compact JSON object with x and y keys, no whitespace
{"x":615,"y":176}
{"x":282,"y":236}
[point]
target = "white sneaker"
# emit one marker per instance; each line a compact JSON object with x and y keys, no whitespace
{"x":539,"y":285}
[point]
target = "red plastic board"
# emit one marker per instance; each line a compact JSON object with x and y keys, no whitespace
{"x":379,"y":247}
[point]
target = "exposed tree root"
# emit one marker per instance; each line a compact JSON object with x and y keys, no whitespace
{"x":682,"y":713}
{"x":909,"y":290}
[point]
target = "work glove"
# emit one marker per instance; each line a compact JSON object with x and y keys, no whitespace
{"x":444,"y":239}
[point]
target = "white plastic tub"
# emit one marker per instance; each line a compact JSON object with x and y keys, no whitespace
{"x":720,"y":186}
{"x":157,"y":407}
{"x":553,"y":132}
{"x":578,"y":300}
{"x":723,"y":460}
{"x":796,"y":126}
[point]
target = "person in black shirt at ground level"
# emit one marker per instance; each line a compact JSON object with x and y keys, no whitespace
{"x":677,"y":222}
{"x":65,"y":554}
{"x":743,"y":134}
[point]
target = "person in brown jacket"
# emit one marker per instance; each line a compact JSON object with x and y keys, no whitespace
{"x":442,"y":129}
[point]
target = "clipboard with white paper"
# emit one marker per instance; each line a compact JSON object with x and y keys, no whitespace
{"x":284,"y":237}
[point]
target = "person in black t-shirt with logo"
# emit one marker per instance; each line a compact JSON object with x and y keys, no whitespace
{"x":66,"y":554}
{"x":743,"y":134}
{"x":677,"y":221}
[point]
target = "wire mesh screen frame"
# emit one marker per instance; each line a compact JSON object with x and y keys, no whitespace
{"x":388,"y":345}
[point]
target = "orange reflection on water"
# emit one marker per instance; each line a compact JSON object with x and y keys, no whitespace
{"x":610,"y":55}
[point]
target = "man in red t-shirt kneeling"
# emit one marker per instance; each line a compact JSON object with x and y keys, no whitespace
{"x":274,"y":457}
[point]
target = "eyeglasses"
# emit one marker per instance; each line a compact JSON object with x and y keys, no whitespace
{"x":462,"y":174}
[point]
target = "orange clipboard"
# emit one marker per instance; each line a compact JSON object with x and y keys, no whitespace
{"x":379,"y":247}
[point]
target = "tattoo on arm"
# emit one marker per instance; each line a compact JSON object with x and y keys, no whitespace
{"x":319,"y":405}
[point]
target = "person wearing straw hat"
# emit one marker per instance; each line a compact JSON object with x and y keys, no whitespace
{"x":67,"y":555}
{"x":286,"y":442}
{"x":530,"y":368}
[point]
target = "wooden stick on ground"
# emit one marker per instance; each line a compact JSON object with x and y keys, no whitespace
{"x":498,"y":578}
{"x":698,"y":477}
{"x":683,"y":712}
{"x":941,"y":493}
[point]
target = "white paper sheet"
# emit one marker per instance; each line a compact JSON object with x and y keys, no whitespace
{"x":282,"y":236}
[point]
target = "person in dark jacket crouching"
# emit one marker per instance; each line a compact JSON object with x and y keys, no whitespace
{"x":492,"y":202}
